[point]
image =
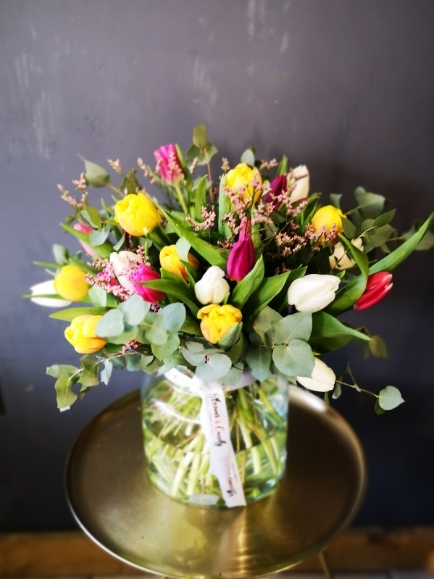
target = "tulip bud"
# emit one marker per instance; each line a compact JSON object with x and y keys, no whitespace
{"x":81,"y":334}
{"x":245,"y":180}
{"x":217,"y":321}
{"x":136,"y":214}
{"x":313,"y":292}
{"x":322,"y":378}
{"x":168,"y":164}
{"x":212,"y":288}
{"x":341,"y":259}
{"x":171,"y":262}
{"x":278,"y":186}
{"x":71,"y":283}
{"x":378,"y":286}
{"x":146,"y":273}
{"x":329,"y":220}
{"x":85,"y":229}
{"x":299,"y":183}
{"x":47,"y":288}
{"x":241,"y":259}
{"x":120,"y":263}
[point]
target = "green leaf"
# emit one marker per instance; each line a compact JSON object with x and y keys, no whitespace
{"x":258,"y":359}
{"x":91,"y":214}
{"x":337,"y":391}
{"x":111,"y":324}
{"x":329,"y":334}
{"x":244,"y":289}
{"x":163,"y":351}
{"x":107,"y":371}
{"x":349,"y":228}
{"x":296,"y":326}
{"x":335,"y":200}
{"x":61,"y":370}
{"x":182,"y":248}
{"x":377,"y":347}
{"x":98,"y":237}
{"x":98,"y":296}
{"x":237,"y":350}
{"x":371,"y":204}
{"x":65,"y":396}
{"x":359,"y":256}
{"x":200,"y":198}
{"x":191,"y":326}
{"x":176,"y":290}
{"x":427,"y":241}
{"x":213,"y":255}
{"x":282,"y":169}
{"x":61,"y":254}
{"x":72,"y":313}
{"x":174,"y":317}
{"x":199,"y":136}
{"x":294,"y":359}
{"x":193,"y":356}
{"x":264,"y":323}
{"x":146,"y":360}
{"x":102,"y":251}
{"x":231,"y":337}
{"x":392,"y":260}
{"x":157,"y":334}
{"x":215,"y":368}
{"x":269,"y":288}
{"x":224,"y":209}
{"x":248,"y":157}
{"x":89,"y":375}
{"x":384,"y":219}
{"x":95,"y":175}
{"x":134,"y":310}
{"x":390,"y":398}
{"x":378,"y":409}
{"x":379,"y":236}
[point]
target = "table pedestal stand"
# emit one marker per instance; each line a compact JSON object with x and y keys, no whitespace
{"x":116,"y":505}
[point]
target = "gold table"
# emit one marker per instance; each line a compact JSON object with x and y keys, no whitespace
{"x":115,"y":504}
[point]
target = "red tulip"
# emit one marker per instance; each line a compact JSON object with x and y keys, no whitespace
{"x":168,"y":164}
{"x":379,"y":284}
{"x":278,"y":186}
{"x":146,"y":273}
{"x":241,"y":259}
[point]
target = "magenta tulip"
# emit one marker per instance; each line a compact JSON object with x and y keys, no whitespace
{"x":278,"y":186}
{"x":378,"y":286}
{"x":241,"y":259}
{"x":146,"y":273}
{"x":168,"y":164}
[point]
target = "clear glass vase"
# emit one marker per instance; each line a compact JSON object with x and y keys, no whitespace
{"x":177,"y":451}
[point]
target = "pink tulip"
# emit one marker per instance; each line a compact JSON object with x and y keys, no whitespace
{"x":278,"y":186}
{"x":378,"y":286}
{"x":85,"y":229}
{"x":146,"y":273}
{"x":168,"y":164}
{"x":241,"y":259}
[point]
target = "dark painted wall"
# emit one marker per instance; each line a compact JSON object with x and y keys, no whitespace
{"x":345,"y":86}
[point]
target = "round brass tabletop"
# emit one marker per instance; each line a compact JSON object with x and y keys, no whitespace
{"x":116,"y":505}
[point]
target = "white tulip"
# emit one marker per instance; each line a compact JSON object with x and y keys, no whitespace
{"x":322,"y":378}
{"x":47,"y":288}
{"x":313,"y":292}
{"x":212,"y":288}
{"x":119,"y":263}
{"x":299,"y":176}
{"x":341,"y":256}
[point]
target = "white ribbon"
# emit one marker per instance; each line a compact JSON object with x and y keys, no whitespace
{"x":214,"y":420}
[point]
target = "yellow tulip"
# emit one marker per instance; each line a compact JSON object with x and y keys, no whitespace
{"x":71,"y":283}
{"x":326,"y":218}
{"x":137,"y":214}
{"x":245,"y":179}
{"x":217,"y":321}
{"x":171,"y":262}
{"x":81,"y":334}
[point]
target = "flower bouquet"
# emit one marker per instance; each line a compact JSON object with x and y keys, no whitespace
{"x":228,"y":291}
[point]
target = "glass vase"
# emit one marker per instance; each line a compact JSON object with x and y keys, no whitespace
{"x":177,"y":452}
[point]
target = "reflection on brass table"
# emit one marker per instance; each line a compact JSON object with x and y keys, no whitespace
{"x":119,"y":509}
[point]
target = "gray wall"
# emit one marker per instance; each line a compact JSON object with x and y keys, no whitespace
{"x":345,"y":86}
